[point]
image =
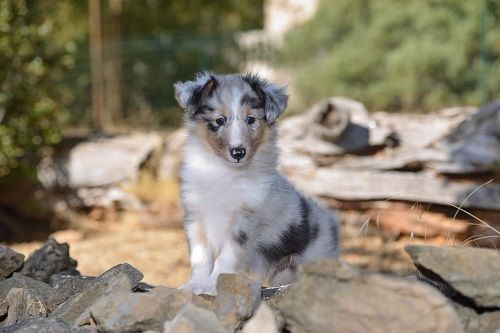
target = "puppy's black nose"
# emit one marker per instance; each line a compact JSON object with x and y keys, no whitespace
{"x":238,"y":153}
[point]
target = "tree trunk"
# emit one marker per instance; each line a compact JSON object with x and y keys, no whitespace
{"x":96,"y":65}
{"x":113,"y":73}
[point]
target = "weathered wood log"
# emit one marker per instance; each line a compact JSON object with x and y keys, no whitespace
{"x":422,"y":130}
{"x":476,"y":141}
{"x":110,"y":161}
{"x":451,"y":141}
{"x":403,"y":158}
{"x":334,"y":126}
{"x":417,"y":187}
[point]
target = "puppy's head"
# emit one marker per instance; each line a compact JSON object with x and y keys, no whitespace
{"x":233,"y":114}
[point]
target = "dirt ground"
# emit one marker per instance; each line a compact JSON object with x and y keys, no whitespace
{"x":161,"y":254}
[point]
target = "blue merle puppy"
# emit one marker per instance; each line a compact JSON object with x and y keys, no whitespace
{"x":241,"y":214}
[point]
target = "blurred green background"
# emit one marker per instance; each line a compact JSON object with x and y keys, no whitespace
{"x":401,"y":56}
{"x":415,"y":55}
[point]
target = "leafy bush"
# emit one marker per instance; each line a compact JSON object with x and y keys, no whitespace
{"x":29,"y":113}
{"x":162,"y":42}
{"x":394,"y":55}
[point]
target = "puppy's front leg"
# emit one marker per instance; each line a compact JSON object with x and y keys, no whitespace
{"x":201,"y":258}
{"x":227,"y":262}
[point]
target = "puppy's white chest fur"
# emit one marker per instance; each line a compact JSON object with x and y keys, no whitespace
{"x":218,"y":193}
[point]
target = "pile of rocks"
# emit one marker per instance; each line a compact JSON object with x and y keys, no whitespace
{"x":334,"y":297}
{"x":457,"y":290}
{"x":47,"y":293}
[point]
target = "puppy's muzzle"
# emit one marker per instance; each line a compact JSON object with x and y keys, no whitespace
{"x":238,"y":153}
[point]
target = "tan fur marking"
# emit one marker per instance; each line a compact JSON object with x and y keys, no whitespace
{"x":208,"y":89}
{"x":260,"y":137}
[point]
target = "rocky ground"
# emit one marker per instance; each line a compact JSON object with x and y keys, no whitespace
{"x":454,"y":290}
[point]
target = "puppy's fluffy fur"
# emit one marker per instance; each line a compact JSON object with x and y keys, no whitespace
{"x":241,"y":214}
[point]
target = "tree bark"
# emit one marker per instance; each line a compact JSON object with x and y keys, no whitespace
{"x":96,"y":65}
{"x":114,"y":80}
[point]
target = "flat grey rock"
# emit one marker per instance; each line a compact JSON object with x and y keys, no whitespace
{"x":10,"y":261}
{"x":134,"y":275}
{"x":487,"y":322}
{"x":473,"y":272}
{"x":70,"y":285}
{"x":42,"y":325}
{"x":22,"y":304}
{"x":329,"y":296}
{"x":121,"y":277}
{"x":124,"y":311}
{"x":38,"y":290}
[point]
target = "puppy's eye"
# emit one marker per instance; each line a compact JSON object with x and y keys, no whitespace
{"x":250,"y":120}
{"x":220,"y":121}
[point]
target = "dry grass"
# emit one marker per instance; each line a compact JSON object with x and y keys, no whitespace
{"x":152,"y":239}
{"x":149,"y":189}
{"x":161,"y":254}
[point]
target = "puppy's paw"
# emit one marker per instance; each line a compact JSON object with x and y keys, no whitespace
{"x":200,"y":287}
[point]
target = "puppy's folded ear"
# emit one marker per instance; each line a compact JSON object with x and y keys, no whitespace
{"x":275,"y":98}
{"x":191,"y":95}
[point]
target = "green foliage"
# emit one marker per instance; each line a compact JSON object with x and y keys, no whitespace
{"x":394,"y":55}
{"x":178,"y":39}
{"x":28,"y":111}
{"x":194,"y":17}
{"x":162,"y":42}
{"x":45,"y":70}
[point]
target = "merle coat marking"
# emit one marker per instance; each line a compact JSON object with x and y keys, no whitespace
{"x":241,"y":214}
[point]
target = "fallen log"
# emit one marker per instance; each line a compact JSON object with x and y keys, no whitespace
{"x":415,"y":187}
{"x":335,"y":126}
{"x":110,"y":161}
